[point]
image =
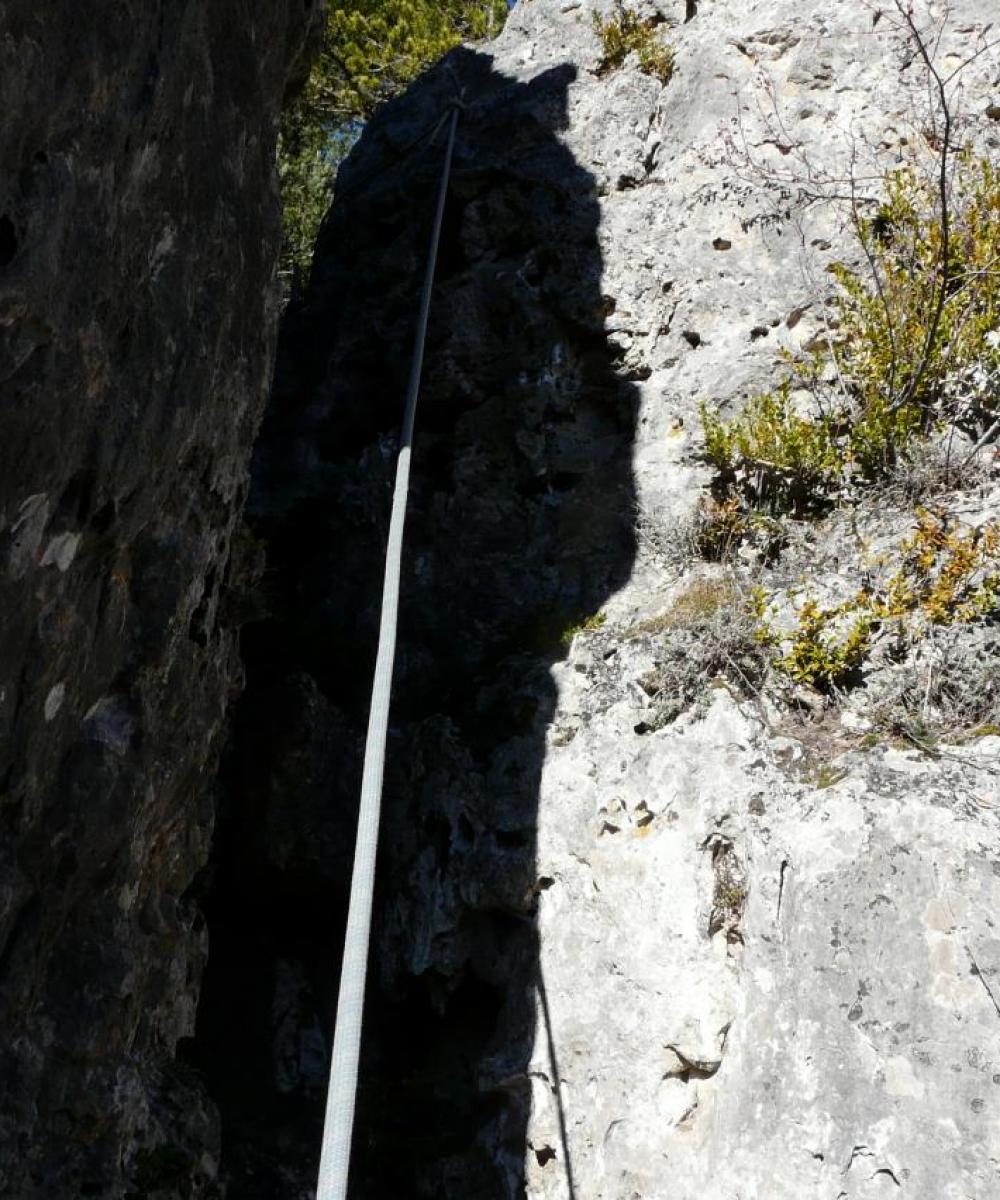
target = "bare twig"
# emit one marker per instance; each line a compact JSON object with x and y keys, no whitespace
{"x":915,"y":379}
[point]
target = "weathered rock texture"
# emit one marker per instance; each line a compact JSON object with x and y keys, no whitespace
{"x":138,"y":236}
{"x":612,"y":962}
{"x":524,"y":475}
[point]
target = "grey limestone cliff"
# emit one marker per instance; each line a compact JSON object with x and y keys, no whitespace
{"x":743,"y":951}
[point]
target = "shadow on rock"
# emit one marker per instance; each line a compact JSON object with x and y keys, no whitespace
{"x":519,"y":527}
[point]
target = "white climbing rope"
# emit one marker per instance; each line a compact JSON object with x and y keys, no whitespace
{"x":339,"y":1122}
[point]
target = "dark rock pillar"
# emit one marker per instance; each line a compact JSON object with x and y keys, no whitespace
{"x":520,"y":525}
{"x":138,"y":236}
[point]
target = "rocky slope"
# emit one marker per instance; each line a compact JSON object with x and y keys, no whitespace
{"x":730,"y":950}
{"x":138,"y":236}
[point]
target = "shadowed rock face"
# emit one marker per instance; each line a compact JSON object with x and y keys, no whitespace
{"x":138,"y":235}
{"x":519,"y":526}
{"x":753,"y":985}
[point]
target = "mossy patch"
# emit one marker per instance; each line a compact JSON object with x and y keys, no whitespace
{"x":699,"y":601}
{"x":589,"y":624}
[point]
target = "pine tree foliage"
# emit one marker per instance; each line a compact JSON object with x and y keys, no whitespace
{"x":371,"y":50}
{"x":374,"y":48}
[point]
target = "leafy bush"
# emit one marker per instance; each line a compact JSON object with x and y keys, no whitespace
{"x":794,"y":459}
{"x":909,"y":338}
{"x":944,"y":574}
{"x":828,"y":645}
{"x":308,"y":158}
{"x":915,"y":344}
{"x":627,"y":33}
{"x":948,"y":574}
{"x":373,"y":49}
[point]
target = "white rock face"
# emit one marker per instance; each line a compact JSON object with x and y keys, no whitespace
{"x":757,"y":988}
{"x":760,"y":988}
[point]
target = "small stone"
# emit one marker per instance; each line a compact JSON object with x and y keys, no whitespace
{"x":61,"y":551}
{"x":109,"y":723}
{"x":54,"y":701}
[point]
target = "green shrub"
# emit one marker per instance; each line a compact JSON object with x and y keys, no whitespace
{"x":947,"y":574}
{"x":942,"y":574}
{"x":626,"y":33}
{"x":793,"y":459}
{"x":914,"y":345}
{"x":911,"y":337}
{"x":309,"y":156}
{"x":825,"y":650}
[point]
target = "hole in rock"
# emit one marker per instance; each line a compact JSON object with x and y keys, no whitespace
{"x":451,"y":252}
{"x":8,"y":240}
{"x":77,"y":501}
{"x":512,"y":839}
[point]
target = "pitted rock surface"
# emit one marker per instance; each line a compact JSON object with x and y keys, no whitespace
{"x":611,"y":962}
